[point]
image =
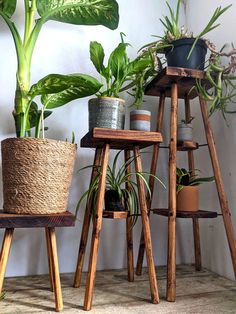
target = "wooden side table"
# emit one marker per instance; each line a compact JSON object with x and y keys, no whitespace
{"x":178,"y":83}
{"x":11,"y":221}
{"x":104,"y":140}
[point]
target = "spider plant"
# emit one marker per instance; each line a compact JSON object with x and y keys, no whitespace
{"x":189,"y":178}
{"x":56,"y":90}
{"x":120,"y":181}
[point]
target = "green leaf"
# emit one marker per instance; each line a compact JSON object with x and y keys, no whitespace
{"x":34,"y":116}
{"x":97,"y":56}
{"x":80,"y":12}
{"x":8,"y":7}
{"x":83,"y":86}
{"x":118,"y":61}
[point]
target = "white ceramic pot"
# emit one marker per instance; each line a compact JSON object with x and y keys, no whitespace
{"x":184,"y":132}
{"x":140,"y":120}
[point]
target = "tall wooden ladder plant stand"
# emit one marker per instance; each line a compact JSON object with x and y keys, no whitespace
{"x":129,"y":141}
{"x":49,"y":222}
{"x":177,"y":83}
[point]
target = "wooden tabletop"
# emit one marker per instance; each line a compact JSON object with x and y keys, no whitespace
{"x":185,"y":78}
{"x":186,"y":214}
{"x":66,"y":219}
{"x":120,"y":139}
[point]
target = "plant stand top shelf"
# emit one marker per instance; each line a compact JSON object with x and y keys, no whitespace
{"x":186,"y":79}
{"x":120,"y":139}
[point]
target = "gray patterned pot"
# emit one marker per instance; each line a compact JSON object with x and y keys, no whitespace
{"x":140,"y":120}
{"x":184,"y":132}
{"x":106,"y":112}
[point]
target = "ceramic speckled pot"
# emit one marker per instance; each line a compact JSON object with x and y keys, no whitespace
{"x":140,"y":120}
{"x":106,"y":112}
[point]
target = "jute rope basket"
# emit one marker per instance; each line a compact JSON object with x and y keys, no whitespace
{"x":37,"y":174}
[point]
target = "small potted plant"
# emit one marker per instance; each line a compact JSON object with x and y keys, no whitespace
{"x":37,"y":172}
{"x":185,"y":130}
{"x":182,"y":48}
{"x":117,"y":196}
{"x":107,"y":110}
{"x":187,"y":189}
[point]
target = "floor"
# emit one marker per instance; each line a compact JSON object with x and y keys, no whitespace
{"x":197,"y":292}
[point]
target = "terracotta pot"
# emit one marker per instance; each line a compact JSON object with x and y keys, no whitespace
{"x":37,"y":174}
{"x":140,"y":120}
{"x":188,"y":199}
{"x":106,"y":112}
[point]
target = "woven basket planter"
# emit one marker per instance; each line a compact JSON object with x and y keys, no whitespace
{"x":37,"y":174}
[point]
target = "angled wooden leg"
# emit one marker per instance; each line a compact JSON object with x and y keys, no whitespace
{"x":6,"y":245}
{"x":129,"y":231}
{"x":146,"y":229}
{"x":153,"y":170}
{"x":219,"y":184}
{"x":171,"y":253}
{"x":96,"y":231}
{"x":50,"y":267}
{"x":55,"y":269}
{"x":196,"y":233}
{"x":86,"y":225}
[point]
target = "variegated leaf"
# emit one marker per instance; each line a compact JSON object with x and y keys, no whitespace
{"x":84,"y":85}
{"x":8,"y":7}
{"x":80,"y":12}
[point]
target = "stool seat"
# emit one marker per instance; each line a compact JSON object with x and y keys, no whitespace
{"x":7,"y":220}
{"x":120,"y":139}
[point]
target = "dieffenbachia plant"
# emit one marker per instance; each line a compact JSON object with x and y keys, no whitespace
{"x":56,"y":90}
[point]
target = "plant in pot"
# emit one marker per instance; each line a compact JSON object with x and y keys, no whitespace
{"x":187,"y":183}
{"x":37,"y":172}
{"x":182,"y":48}
{"x":107,"y":110}
{"x":121,"y":193}
{"x":185,"y":130}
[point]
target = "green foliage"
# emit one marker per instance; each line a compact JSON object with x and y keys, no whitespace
{"x":189,"y":178}
{"x":119,"y":68}
{"x":2,"y":295}
{"x":56,"y":90}
{"x":117,"y":180}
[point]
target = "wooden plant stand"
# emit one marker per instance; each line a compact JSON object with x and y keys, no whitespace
{"x":11,"y":221}
{"x":177,"y":83}
{"x":104,"y":140}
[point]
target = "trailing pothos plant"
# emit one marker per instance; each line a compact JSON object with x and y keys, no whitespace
{"x":55,"y":90}
{"x":189,"y":178}
{"x":120,"y":181}
{"x":119,"y":68}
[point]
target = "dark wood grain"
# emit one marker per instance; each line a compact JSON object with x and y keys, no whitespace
{"x":66,"y":219}
{"x":187,"y":146}
{"x":198,"y":214}
{"x":185,"y":78}
{"x":120,"y":139}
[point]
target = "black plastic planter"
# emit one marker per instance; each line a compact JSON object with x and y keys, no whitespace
{"x":113,"y":201}
{"x":177,"y":55}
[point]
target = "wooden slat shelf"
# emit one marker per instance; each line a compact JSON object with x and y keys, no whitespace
{"x":120,"y":139}
{"x":115,"y":214}
{"x":185,"y":78}
{"x":182,"y":214}
{"x":66,"y":219}
{"x":187,"y":146}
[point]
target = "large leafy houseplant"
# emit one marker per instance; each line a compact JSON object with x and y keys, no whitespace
{"x":121,"y":188}
{"x":56,"y":90}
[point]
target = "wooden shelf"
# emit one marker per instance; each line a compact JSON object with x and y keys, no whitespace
{"x":197,"y":214}
{"x":187,"y":145}
{"x":185,"y":78}
{"x":66,"y":219}
{"x":115,"y":214}
{"x":120,"y":139}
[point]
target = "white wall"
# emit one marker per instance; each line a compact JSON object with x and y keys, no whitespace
{"x":215,"y":251}
{"x":64,"y":49}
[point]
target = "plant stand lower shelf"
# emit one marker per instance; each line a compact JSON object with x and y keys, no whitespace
{"x":12,"y":221}
{"x":129,"y":141}
{"x":185,"y":214}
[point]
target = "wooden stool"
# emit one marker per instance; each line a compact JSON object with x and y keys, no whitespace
{"x":11,"y":221}
{"x":103,"y":140}
{"x":176,"y":83}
